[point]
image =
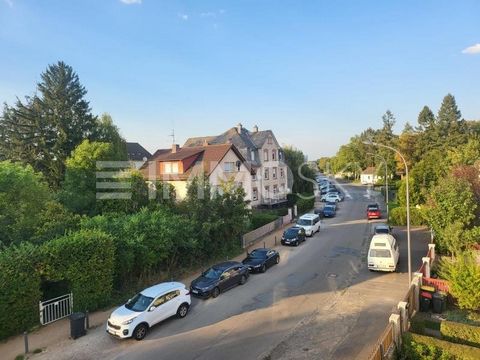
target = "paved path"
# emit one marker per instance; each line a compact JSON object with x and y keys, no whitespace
{"x":320,"y":302}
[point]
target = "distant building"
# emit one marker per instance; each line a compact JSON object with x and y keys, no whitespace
{"x":137,"y":155}
{"x":218,"y":163}
{"x":264,"y":158}
{"x":369,"y":176}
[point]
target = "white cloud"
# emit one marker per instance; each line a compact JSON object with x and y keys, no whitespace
{"x":131,"y":2}
{"x":184,"y":17}
{"x":9,"y":3}
{"x":474,"y":49}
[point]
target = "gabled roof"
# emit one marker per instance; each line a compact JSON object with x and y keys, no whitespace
{"x":369,"y":171}
{"x":137,"y":152}
{"x":208,"y":157}
{"x":198,"y":141}
{"x":260,"y":137}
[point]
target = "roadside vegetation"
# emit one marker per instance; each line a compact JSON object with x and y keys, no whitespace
{"x":443,"y":156}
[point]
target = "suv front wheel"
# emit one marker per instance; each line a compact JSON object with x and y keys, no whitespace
{"x":140,"y":332}
{"x":182,"y":310}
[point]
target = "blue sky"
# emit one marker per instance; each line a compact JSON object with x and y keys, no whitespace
{"x":315,"y":72}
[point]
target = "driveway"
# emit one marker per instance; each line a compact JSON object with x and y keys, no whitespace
{"x":320,"y":302}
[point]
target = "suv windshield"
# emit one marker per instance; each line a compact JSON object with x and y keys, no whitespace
{"x":213,"y":273}
{"x":139,"y":303}
{"x":304,"y":222}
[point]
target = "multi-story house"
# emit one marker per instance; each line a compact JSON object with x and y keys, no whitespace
{"x":218,"y":163}
{"x":270,"y":180}
{"x":137,"y":155}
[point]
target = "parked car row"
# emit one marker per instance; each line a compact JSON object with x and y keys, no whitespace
{"x":160,"y":302}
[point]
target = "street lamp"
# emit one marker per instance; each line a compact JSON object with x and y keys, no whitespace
{"x":408,"y":203}
{"x":386,"y":180}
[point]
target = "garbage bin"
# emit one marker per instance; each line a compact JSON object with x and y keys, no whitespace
{"x":77,"y":325}
{"x":439,"y":302}
{"x":425,"y":301}
{"x":429,"y":289}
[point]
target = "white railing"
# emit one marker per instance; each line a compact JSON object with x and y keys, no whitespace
{"x":55,"y":309}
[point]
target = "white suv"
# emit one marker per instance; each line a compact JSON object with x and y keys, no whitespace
{"x":331,"y":197}
{"x":147,"y":308}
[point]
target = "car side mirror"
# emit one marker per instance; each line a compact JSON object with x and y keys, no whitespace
{"x":152,"y":308}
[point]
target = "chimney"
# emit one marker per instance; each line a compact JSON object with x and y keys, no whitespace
{"x":239,"y":128}
{"x":255,"y":129}
{"x":175,"y":148}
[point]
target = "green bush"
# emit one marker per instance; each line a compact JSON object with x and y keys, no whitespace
{"x":305,"y":204}
{"x":398,"y":216}
{"x":460,"y":333}
{"x":420,"y":347}
{"x":19,"y":289}
{"x":258,"y":219}
{"x":85,"y":259}
{"x":463,"y":275}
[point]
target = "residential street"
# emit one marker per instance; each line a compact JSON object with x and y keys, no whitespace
{"x":320,"y":302}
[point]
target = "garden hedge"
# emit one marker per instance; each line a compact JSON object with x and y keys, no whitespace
{"x":460,"y":333}
{"x":19,"y":289}
{"x":420,"y":347}
{"x":305,"y":205}
{"x":85,"y":259}
{"x":398,"y":216}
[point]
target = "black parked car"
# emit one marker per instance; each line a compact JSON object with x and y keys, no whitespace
{"x":293,"y":236}
{"x":259,"y":260}
{"x":219,"y":278}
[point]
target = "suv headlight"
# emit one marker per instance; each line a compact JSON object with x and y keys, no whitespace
{"x":128,"y":322}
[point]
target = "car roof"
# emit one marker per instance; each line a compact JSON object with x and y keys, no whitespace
{"x":261,"y":250}
{"x":383,"y":237}
{"x":161,"y":288}
{"x":308,"y":216}
{"x":225,"y":265}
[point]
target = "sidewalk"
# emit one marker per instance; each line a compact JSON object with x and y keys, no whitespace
{"x":59,"y":332}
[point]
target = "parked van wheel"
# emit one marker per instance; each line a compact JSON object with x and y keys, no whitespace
{"x":140,"y":332}
{"x":216,"y":292}
{"x":263,"y":269}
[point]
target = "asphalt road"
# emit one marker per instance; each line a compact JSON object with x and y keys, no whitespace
{"x":320,"y":302}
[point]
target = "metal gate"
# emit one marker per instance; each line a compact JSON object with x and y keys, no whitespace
{"x":55,"y":309}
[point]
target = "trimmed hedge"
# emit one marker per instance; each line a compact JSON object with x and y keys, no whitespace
{"x":420,"y":347}
{"x":305,"y":205}
{"x":86,"y":260}
{"x":19,"y":289}
{"x":398,"y":216}
{"x":258,"y":219}
{"x":460,"y":333}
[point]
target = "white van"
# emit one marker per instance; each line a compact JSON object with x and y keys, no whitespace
{"x":310,"y":223}
{"x":383,"y":253}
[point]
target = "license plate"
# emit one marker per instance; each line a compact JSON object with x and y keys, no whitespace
{"x":195,"y":291}
{"x":112,"y":332}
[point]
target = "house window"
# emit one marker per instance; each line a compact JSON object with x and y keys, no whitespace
{"x":275,"y":189}
{"x":229,"y":167}
{"x":254,"y":177}
{"x":270,"y":141}
{"x":252,"y":155}
{"x":274,"y":173}
{"x":274,"y":155}
{"x":255,"y":194}
{"x":171,"y":168}
{"x":267,"y":191}
{"x":266,"y":174}
{"x":265,"y":155}
{"x":282,"y":173}
{"x":282,"y":188}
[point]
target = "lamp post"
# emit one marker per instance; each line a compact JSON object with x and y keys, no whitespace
{"x":386,"y":180}
{"x":408,"y":203}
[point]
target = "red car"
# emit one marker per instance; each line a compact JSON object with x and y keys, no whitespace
{"x":373,"y":212}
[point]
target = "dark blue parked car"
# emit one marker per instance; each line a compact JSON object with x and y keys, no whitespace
{"x":329,"y":211}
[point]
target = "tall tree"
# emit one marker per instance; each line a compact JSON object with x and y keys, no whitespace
{"x":451,"y":128}
{"x":106,"y":131}
{"x":44,"y":129}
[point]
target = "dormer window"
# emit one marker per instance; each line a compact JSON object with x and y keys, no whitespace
{"x":274,"y":155}
{"x":270,"y":140}
{"x":170,"y":167}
